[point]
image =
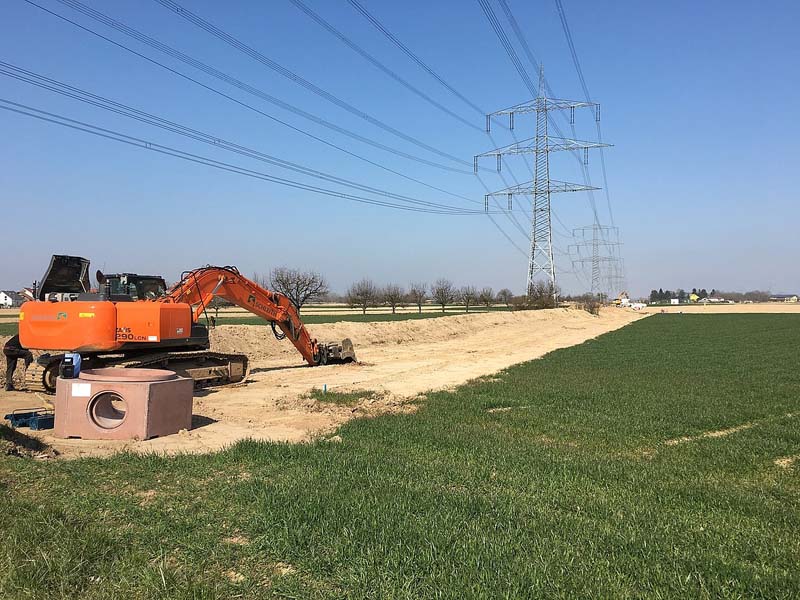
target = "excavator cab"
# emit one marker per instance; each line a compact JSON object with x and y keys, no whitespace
{"x":67,"y":279}
{"x":122,"y":286}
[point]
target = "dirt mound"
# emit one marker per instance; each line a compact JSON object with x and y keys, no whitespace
{"x":260,"y":344}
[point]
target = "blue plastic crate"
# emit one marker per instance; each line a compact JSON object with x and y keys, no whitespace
{"x":34,"y":419}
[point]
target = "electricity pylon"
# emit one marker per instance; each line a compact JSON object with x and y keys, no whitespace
{"x":540,"y":259}
{"x":601,"y":241}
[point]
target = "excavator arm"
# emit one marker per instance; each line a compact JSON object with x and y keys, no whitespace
{"x":198,"y":287}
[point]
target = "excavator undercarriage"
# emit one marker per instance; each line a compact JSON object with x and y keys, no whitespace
{"x":207,"y":369}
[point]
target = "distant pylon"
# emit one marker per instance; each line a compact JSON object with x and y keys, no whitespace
{"x":601,"y":241}
{"x":540,"y":259}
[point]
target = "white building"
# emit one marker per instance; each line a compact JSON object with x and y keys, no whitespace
{"x":9,"y":299}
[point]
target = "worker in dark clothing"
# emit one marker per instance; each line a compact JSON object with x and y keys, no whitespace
{"x":14,"y":351}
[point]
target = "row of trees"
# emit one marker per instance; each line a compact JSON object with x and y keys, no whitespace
{"x":302,"y":287}
{"x":366,"y":294}
{"x":662,"y":295}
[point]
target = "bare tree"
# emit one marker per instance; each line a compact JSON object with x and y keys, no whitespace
{"x":542,"y":294}
{"x":468,"y":295}
{"x":505,"y":296}
{"x":363,"y":294}
{"x":486,"y":297}
{"x":443,"y":292}
{"x":260,"y":279}
{"x":393,"y":295}
{"x":299,"y":286}
{"x":417,"y":292}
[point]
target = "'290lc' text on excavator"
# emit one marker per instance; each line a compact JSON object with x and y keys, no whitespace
{"x":135,"y":321}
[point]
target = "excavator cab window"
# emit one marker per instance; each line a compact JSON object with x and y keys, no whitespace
{"x":136,"y":287}
{"x":117,"y":287}
{"x":148,"y":288}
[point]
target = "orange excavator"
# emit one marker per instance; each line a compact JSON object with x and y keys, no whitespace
{"x":135,"y":321}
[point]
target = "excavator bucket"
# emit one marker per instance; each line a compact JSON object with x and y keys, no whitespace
{"x":335,"y":352}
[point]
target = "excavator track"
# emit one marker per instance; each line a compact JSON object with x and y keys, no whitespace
{"x":207,"y":369}
{"x":39,"y":378}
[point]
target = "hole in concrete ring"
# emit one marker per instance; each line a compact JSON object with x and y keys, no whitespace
{"x":107,"y":410}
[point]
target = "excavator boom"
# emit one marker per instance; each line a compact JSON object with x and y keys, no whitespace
{"x":200,"y":286}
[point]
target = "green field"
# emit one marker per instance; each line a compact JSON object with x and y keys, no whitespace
{"x":571,"y":489}
{"x":8,"y":328}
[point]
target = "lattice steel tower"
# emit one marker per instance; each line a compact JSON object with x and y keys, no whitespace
{"x":600,"y":241}
{"x":540,"y":260}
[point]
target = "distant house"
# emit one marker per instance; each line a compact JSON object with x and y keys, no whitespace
{"x":26,"y":293}
{"x":784,"y":298}
{"x":693,"y":297}
{"x":10,"y":299}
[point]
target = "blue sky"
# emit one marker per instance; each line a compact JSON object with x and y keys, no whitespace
{"x":699,"y":99}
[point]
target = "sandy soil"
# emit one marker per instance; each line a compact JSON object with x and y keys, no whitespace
{"x":399,"y":360}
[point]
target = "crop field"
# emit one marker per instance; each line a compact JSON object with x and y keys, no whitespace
{"x":659,"y":460}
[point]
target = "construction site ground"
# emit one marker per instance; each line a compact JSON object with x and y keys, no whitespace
{"x":398,"y":361}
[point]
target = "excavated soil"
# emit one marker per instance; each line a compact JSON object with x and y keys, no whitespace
{"x":400,"y":361}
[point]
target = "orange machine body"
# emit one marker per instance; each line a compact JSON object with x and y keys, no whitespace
{"x":101,"y":325}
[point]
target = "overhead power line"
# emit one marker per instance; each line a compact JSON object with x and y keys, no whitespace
{"x":568,"y":34}
{"x":416,"y":59}
{"x":220,"y":93}
{"x":301,"y":81}
{"x":488,"y":11}
{"x":109,"y":134}
{"x":168,"y":50}
{"x":245,"y":104}
{"x":110,"y":105}
{"x":378,"y":64}
{"x":379,"y":26}
{"x":525,"y":46}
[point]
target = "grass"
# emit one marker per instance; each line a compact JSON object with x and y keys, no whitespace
{"x":9,"y":328}
{"x":551,"y":479}
{"x":341,"y":398}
